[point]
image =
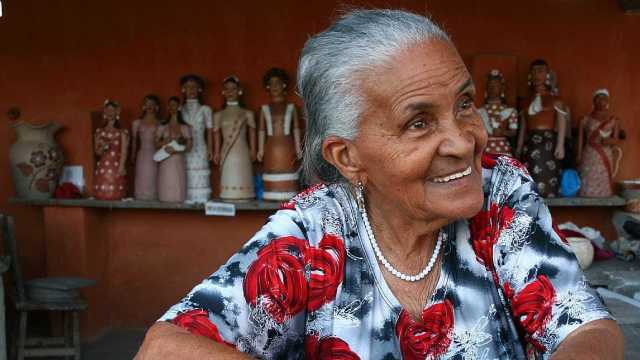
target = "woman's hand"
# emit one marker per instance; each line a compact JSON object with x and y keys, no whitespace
{"x":259,"y":156}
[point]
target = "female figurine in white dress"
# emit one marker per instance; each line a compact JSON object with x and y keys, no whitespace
{"x":500,"y":120}
{"x":234,"y":139}
{"x":198,"y":116}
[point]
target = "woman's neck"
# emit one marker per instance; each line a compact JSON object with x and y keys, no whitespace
{"x":402,"y":237}
{"x":492,"y":101}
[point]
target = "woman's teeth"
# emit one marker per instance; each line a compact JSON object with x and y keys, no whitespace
{"x":455,"y":176}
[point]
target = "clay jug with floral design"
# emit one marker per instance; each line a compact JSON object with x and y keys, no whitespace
{"x":36,"y":160}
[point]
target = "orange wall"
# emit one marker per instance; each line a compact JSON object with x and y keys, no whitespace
{"x":60,"y":59}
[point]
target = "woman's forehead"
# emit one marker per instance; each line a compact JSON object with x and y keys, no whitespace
{"x":430,"y":67}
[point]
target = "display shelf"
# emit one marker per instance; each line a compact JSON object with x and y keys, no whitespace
{"x":253,"y":205}
{"x":259,"y":205}
{"x":584,"y":202}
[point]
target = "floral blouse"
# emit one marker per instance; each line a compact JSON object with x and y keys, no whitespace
{"x":308,"y":285}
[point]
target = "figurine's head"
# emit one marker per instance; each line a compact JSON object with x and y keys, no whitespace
{"x":173,"y":108}
{"x":276,"y":80}
{"x":150,"y":105}
{"x":495,"y":85}
{"x":192,"y":86}
{"x":111,"y":113}
{"x":601,"y":100}
{"x":539,"y":74}
{"x":173,"y":105}
{"x":231,"y":89}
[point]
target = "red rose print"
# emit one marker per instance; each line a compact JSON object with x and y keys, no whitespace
{"x":429,"y":339}
{"x":328,"y":348}
{"x":532,"y":307}
{"x":516,"y":164}
{"x":489,"y":160}
{"x":327,"y":269}
{"x":562,"y":234}
{"x":197,"y":322}
{"x":276,"y":279}
{"x":291,"y":204}
{"x":485,"y":230}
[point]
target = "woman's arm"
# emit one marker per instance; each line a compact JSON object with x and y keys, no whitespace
{"x":167,"y":341}
{"x":600,"y":339}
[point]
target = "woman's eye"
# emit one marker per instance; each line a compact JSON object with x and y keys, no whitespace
{"x":465,"y":105}
{"x":418,"y":124}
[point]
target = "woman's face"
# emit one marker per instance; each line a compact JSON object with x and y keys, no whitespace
{"x":230,"y":91}
{"x":149,"y":106}
{"x":421,"y":139}
{"x":601,"y":102}
{"x":276,"y":87}
{"x":191,"y":89}
{"x":173,"y":107}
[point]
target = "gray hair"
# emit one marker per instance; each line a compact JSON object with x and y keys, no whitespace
{"x":358,"y":41}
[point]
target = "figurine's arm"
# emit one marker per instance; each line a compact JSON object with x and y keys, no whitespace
{"x":252,"y":134}
{"x":159,"y":137}
{"x":522,"y":134}
{"x":187,"y":135}
{"x":98,"y":145}
{"x":124,"y":140}
{"x":208,"y":122}
{"x":134,"y":138}
{"x":562,"y":120}
{"x":261,"y":137}
{"x":297,"y":134}
{"x":215,"y":134}
{"x":614,"y":139}
{"x":580,"y":139}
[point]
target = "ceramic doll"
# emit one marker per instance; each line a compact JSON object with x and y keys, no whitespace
{"x":173,"y":140}
{"x":598,"y":152}
{"x":110,"y":145}
{"x":143,"y":132}
{"x":542,"y":136}
{"x":279,"y":140}
{"x":198,"y":117}
{"x":500,"y":120}
{"x":234,"y":133}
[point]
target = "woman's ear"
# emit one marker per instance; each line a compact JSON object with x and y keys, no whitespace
{"x":343,"y":155}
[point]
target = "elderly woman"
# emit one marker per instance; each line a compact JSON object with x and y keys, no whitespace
{"x":414,"y":247}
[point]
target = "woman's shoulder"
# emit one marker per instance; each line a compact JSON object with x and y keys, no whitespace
{"x":502,"y":175}
{"x":322,"y":209}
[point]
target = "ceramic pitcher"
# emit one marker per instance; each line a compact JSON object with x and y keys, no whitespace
{"x":36,"y":160}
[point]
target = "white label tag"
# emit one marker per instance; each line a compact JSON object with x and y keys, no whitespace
{"x":213,"y":208}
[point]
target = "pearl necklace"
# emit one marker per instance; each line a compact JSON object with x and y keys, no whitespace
{"x":441,"y":237}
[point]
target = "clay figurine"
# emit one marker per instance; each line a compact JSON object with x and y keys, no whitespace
{"x":500,"y":120}
{"x":542,"y":135}
{"x":173,"y":140}
{"x":198,"y":116}
{"x":110,"y":145}
{"x":234,"y":130}
{"x":279,"y":140}
{"x":598,"y":152}
{"x":143,"y":132}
